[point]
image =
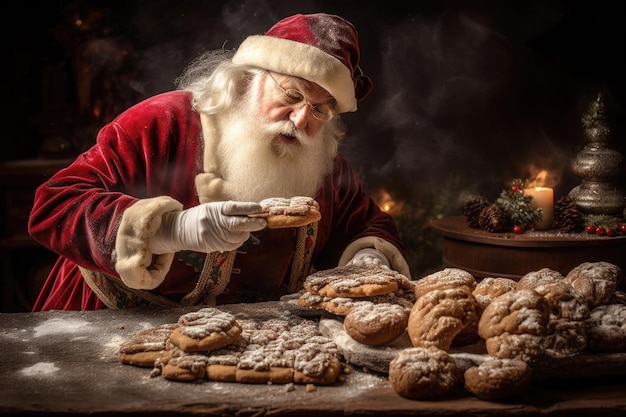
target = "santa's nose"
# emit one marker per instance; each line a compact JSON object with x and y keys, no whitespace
{"x":300,"y":116}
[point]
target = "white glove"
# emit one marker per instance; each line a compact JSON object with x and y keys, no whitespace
{"x":370,"y":257}
{"x":210,"y":227}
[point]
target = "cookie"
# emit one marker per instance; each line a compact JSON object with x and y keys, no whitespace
{"x":223,"y":362}
{"x":313,"y":366}
{"x":356,"y":281}
{"x":221,"y":373}
{"x":619,"y":297}
{"x":272,"y":350}
{"x":568,"y":309}
{"x":446,"y":278}
{"x":376,"y":324}
{"x":539,"y":277}
{"x":498,"y":379}
{"x":606,"y":328}
{"x":145,"y":347}
{"x":275,"y":351}
{"x":468,"y":334}
{"x":315,"y":357}
{"x":596,"y":281}
{"x":204,"y":330}
{"x":289,"y":212}
{"x":526,"y":347}
{"x":514,"y":325}
{"x":185,"y":368}
{"x":423,"y":373}
{"x":438,"y":316}
{"x":341,"y":306}
{"x":489,"y":288}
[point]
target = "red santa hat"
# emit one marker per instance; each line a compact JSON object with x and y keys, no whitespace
{"x":320,"y":48}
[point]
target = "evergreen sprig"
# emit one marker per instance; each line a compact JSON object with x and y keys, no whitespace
{"x":516,"y":205}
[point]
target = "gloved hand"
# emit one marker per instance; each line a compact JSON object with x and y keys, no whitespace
{"x":210,"y":227}
{"x":371,"y":257}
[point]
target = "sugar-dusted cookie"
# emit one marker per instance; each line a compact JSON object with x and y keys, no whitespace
{"x":606,"y":328}
{"x":204,"y":330}
{"x":186,"y":367}
{"x":489,"y":288}
{"x":597,"y":281}
{"x":145,"y":346}
{"x":341,"y":306}
{"x":566,"y":335}
{"x":443,"y":279}
{"x":540,"y":277}
{"x":289,"y":212}
{"x":498,"y":379}
{"x":439,"y":315}
{"x":356,"y":281}
{"x":514,"y":325}
{"x":423,"y":373}
{"x":269,"y":350}
{"x":376,"y":324}
{"x":316,"y":362}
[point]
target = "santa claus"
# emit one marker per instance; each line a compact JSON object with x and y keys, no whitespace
{"x":157,"y":211}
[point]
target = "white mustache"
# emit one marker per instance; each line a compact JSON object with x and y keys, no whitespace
{"x":286,"y":128}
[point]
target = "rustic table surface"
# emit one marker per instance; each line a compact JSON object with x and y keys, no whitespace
{"x":65,"y":363}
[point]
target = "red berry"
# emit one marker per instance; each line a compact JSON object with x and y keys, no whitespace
{"x":600,"y":231}
{"x":518,"y":229}
{"x":515,"y":188}
{"x":531,"y":226}
{"x":591,"y":229}
{"x":622,"y":228}
{"x":610,"y":232}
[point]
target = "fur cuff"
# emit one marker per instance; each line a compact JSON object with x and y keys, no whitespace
{"x":397,"y":261}
{"x":136,"y":265}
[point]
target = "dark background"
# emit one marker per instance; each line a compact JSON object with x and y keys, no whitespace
{"x":468,"y":94}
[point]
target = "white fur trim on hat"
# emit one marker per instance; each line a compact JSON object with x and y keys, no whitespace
{"x":300,"y":60}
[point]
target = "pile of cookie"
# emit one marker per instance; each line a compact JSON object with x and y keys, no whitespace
{"x":543,"y":316}
{"x":214,"y":345}
{"x":373,"y":301}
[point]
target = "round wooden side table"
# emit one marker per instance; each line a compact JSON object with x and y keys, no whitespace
{"x":511,"y":255}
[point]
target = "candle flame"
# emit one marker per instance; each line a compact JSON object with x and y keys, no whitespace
{"x":542,"y":177}
{"x":387,"y":203}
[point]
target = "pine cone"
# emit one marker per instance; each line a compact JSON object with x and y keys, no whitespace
{"x":472,"y":208}
{"x":567,"y":216}
{"x":492,"y":218}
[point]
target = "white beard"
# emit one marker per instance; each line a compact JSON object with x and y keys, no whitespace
{"x":255,"y":164}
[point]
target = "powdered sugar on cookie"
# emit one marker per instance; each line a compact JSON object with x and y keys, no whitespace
{"x":356,"y":281}
{"x":206,"y":321}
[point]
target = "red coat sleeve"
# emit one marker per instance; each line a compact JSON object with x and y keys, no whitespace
{"x":77,"y":212}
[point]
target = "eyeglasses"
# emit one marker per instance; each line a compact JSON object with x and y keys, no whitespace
{"x":295,"y":99}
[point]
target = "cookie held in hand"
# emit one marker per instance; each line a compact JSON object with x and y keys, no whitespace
{"x":289,"y":212}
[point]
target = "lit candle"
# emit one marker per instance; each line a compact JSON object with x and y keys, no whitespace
{"x":543,"y":198}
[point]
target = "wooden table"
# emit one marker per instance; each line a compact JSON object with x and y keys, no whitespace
{"x":65,"y":363}
{"x":511,"y":255}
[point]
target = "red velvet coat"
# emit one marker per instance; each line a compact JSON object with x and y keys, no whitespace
{"x":155,"y":149}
